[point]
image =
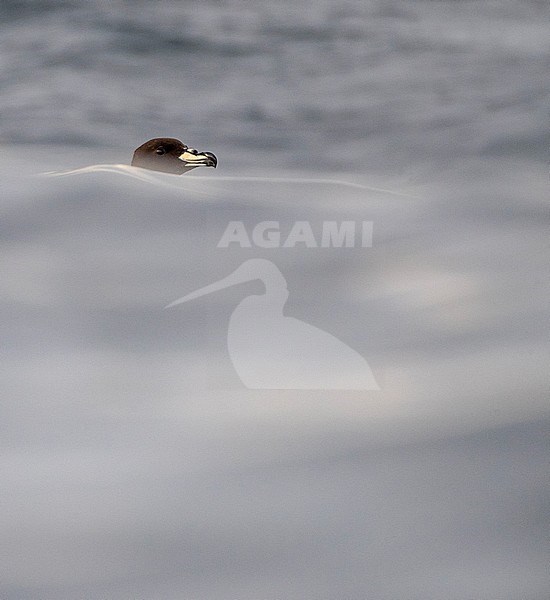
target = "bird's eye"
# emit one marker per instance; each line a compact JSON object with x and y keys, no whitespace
{"x":160,"y":150}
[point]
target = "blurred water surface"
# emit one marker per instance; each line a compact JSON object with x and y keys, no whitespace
{"x":133,"y":462}
{"x":323,"y":85}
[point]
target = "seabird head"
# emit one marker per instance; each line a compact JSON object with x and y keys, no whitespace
{"x":171,"y":156}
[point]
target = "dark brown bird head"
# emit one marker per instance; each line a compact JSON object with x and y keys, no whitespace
{"x":169,"y":155}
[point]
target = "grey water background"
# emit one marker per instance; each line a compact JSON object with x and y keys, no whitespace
{"x":133,"y":463}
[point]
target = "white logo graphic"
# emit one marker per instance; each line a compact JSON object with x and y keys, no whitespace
{"x":272,"y":351}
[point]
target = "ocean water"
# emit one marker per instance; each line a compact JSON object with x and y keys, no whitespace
{"x":135,"y":462}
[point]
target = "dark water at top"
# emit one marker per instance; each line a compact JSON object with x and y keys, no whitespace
{"x":322,"y":85}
